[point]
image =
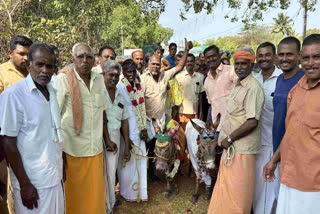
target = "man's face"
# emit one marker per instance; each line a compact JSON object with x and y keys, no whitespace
{"x":288,"y":57}
{"x":19,"y":57}
{"x":106,"y":55}
{"x":42,"y":67}
{"x":265,"y":58}
{"x":154,"y":65}
{"x":130,"y":74}
{"x":173,"y":50}
{"x":242,"y":67}
{"x":201,"y":55}
{"x":138,"y":59}
{"x":83,"y":59}
{"x":197,"y":65}
{"x":212,"y":59}
{"x":177,"y":60}
{"x":310,"y":61}
{"x":190,"y":63}
{"x":111,"y":78}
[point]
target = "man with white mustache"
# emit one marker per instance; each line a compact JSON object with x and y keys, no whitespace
{"x":117,"y":115}
{"x":155,"y":85}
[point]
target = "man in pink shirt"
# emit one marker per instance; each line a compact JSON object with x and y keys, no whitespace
{"x":219,"y":82}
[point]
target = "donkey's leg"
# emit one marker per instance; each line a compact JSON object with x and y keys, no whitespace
{"x":169,"y":190}
{"x":195,"y":195}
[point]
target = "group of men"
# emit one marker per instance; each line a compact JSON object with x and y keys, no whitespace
{"x":65,"y":139}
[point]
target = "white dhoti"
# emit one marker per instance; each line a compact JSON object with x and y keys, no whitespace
{"x":51,"y":201}
{"x":264,"y":201}
{"x":191,"y":136}
{"x":133,"y":177}
{"x":111,"y":168}
{"x":293,"y":201}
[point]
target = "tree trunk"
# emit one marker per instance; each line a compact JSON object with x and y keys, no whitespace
{"x":305,"y":18}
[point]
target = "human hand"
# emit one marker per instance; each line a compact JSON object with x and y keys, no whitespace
{"x":188,"y":44}
{"x":268,"y":171}
{"x":29,"y":196}
{"x":225,"y":144}
{"x":112,"y":147}
{"x":126,"y":155}
{"x":200,"y":115}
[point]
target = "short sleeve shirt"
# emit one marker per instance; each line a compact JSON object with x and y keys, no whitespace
{"x":191,"y":87}
{"x":245,"y":102}
{"x":283,"y":86}
{"x":9,"y":75}
{"x":300,"y":146}
{"x":116,"y":111}
{"x":156,"y":92}
{"x":26,"y":114}
{"x":89,"y":142}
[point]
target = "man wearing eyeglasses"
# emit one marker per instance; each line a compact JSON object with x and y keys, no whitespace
{"x":80,"y":94}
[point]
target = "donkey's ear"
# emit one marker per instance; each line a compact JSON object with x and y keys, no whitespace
{"x":198,"y":128}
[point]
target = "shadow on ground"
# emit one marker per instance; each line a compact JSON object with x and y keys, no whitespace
{"x":158,"y":204}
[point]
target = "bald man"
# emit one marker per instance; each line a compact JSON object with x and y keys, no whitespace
{"x":137,"y":57}
{"x":80,"y":94}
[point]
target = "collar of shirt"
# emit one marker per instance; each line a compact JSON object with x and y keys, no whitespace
{"x":218,"y":71}
{"x":93,"y":75}
{"x":186,"y":73}
{"x":107,"y":93}
{"x":303,"y":83}
{"x":276,"y":73}
{"x":30,"y":83}
{"x":245,"y":81}
{"x":10,"y":67}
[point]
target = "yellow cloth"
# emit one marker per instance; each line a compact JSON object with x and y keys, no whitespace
{"x":75,"y":95}
{"x":174,"y":94}
{"x":85,"y":186}
{"x":234,"y":189}
{"x":89,"y":143}
{"x":191,"y":87}
{"x":245,"y":102}
{"x":9,"y":75}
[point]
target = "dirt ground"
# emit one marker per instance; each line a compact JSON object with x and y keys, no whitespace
{"x":158,"y":204}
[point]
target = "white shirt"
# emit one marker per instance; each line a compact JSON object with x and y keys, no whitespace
{"x":134,"y":132}
{"x":269,"y":86}
{"x":26,"y":114}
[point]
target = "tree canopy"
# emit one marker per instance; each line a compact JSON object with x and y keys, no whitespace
{"x":96,"y":22}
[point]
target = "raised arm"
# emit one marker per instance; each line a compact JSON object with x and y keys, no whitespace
{"x":188,"y":46}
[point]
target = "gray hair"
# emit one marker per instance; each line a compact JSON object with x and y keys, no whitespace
{"x":110,"y":65}
{"x":246,"y":49}
{"x":77,"y":44}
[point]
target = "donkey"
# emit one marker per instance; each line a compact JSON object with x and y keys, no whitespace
{"x":169,"y":151}
{"x":201,"y":144}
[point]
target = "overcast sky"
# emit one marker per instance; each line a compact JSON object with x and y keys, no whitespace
{"x":201,"y":26}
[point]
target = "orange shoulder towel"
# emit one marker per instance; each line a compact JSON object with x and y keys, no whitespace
{"x":76,"y":101}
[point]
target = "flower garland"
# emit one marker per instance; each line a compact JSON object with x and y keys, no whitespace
{"x":202,"y":167}
{"x":138,"y":106}
{"x":174,"y":163}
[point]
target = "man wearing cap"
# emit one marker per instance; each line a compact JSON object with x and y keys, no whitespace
{"x":240,"y":137}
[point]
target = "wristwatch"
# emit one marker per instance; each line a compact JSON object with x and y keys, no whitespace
{"x":229,"y":140}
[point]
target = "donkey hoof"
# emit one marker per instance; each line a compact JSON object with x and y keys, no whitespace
{"x":168,"y":194}
{"x":195,"y":198}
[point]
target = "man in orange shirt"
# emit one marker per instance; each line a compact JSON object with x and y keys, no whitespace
{"x":300,"y":147}
{"x":11,"y":72}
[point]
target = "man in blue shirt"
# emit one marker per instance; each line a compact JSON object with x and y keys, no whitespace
{"x":289,"y":60}
{"x":172,"y":54}
{"x":288,"y":57}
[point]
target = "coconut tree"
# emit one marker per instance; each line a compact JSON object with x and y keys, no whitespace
{"x":283,"y":24}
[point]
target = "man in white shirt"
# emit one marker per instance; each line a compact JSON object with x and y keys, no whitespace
{"x":30,"y":126}
{"x":264,"y":198}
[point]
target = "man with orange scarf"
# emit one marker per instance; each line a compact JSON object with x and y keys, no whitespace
{"x":240,"y":138}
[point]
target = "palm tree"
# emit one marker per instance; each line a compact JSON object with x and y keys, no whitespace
{"x":283,"y":24}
